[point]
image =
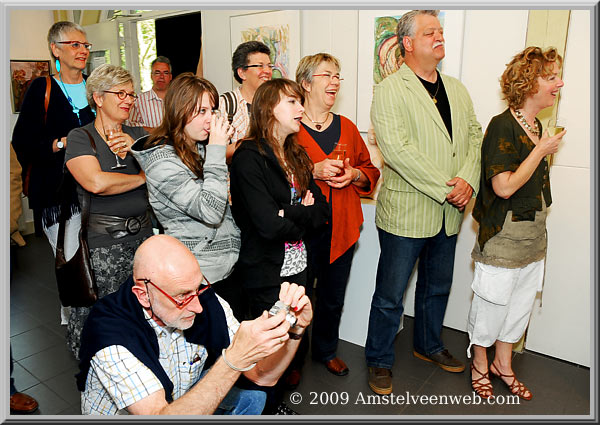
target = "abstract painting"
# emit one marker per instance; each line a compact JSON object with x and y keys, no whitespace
{"x":279,"y":30}
{"x":379,"y":54}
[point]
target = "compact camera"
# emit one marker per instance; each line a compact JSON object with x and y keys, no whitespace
{"x":279,"y":305}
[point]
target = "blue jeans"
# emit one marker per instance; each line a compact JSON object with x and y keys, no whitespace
{"x":396,"y":262}
{"x":240,"y":402}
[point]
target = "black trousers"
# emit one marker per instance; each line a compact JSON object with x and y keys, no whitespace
{"x":332,"y":280}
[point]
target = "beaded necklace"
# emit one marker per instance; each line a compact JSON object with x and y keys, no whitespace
{"x":535,"y":131}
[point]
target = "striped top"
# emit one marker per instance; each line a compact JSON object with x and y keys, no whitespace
{"x":147,"y":111}
{"x":117,"y":379}
{"x":241,"y":118}
{"x":420,"y":155}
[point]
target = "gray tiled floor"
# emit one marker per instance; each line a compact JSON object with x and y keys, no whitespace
{"x":45,"y":368}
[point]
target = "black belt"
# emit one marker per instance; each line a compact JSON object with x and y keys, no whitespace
{"x":118,"y":227}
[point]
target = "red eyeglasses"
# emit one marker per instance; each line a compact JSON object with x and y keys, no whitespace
{"x":181,"y":304}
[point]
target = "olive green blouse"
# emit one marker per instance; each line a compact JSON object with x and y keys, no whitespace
{"x":505,"y":146}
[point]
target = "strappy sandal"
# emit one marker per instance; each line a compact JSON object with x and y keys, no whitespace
{"x":482,"y":390}
{"x":516,"y":387}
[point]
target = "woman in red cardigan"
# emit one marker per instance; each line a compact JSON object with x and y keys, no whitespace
{"x":343,"y":170}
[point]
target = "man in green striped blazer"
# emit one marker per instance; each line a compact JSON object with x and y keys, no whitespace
{"x":430,"y":140}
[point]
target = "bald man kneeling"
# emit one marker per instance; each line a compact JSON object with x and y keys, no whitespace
{"x":166,"y":344}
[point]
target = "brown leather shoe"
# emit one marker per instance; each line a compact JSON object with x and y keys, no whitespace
{"x":337,"y":367}
{"x":22,"y":403}
{"x":380,"y":380}
{"x":443,"y":359}
{"x":292,"y":379}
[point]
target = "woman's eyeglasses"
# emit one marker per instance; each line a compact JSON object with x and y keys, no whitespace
{"x":76,"y":44}
{"x":122,"y":94}
{"x":261,"y":65}
{"x":331,"y":77}
{"x":180,"y":304}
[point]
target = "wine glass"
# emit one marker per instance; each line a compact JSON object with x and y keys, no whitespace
{"x":555,"y":126}
{"x":339,"y":152}
{"x":110,"y":132}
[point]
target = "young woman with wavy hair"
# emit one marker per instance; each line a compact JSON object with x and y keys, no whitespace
{"x":186,"y":175}
{"x":275,"y":201}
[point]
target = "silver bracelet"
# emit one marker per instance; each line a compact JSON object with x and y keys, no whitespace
{"x":357,"y":177}
{"x":237,"y":369}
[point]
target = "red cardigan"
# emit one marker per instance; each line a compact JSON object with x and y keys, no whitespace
{"x":346,"y":211}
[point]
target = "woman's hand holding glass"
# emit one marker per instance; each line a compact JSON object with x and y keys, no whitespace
{"x":548,"y":145}
{"x":118,"y":142}
{"x":327,"y":169}
{"x":220,"y":129}
{"x":344,"y":179}
{"x":113,"y":138}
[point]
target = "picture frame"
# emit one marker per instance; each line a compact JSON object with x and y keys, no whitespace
{"x":453,"y":24}
{"x":22,"y":72}
{"x":280,"y":30}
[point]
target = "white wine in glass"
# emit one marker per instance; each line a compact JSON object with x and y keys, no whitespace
{"x":555,"y":127}
{"x":109,"y":133}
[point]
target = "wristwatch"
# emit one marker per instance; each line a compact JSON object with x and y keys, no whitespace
{"x":60,"y":144}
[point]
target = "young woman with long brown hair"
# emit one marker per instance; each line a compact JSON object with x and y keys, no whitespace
{"x":275,"y":201}
{"x":186,"y":175}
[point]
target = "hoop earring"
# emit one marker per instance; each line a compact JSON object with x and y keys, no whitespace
{"x":57,"y":65}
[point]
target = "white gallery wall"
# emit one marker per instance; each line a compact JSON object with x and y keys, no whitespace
{"x":561,"y":328}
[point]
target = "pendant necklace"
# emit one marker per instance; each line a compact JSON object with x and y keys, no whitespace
{"x":318,"y":124}
{"x":436,"y":91}
{"x":75,"y":108}
{"x":535,"y":131}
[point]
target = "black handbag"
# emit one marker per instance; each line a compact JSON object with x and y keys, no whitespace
{"x":75,"y":278}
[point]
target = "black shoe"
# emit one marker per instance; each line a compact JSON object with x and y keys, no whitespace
{"x":283,"y":409}
{"x":443,"y":359}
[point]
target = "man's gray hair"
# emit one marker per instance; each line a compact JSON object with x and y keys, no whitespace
{"x":406,"y":25}
{"x":162,"y":59}
{"x":57,"y":31}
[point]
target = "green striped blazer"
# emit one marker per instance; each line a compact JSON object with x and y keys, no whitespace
{"x":419,"y":155}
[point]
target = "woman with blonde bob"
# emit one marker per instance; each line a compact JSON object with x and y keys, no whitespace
{"x":118,"y":196}
{"x":342,"y":181}
{"x":510,"y":208}
{"x":186,"y":174}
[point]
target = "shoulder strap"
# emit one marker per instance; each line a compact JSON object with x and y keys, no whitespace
{"x":92,"y":142}
{"x":85,"y":207}
{"x":231,"y":104}
{"x":47,"y":96}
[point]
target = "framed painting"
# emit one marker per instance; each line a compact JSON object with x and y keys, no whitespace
{"x":22,"y":72}
{"x":279,"y":30}
{"x":379,"y":54}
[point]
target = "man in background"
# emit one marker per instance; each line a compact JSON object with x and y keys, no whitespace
{"x":147,"y":112}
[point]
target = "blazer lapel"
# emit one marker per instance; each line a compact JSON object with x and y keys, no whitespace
{"x":415,"y":86}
